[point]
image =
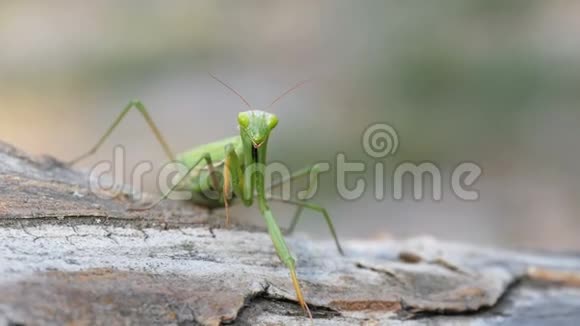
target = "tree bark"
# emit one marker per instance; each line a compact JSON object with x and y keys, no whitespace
{"x":71,"y":256}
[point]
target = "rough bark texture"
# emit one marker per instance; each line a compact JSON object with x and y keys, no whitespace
{"x":68,"y":256}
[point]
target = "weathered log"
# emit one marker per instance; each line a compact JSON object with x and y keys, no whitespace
{"x":69,"y":256}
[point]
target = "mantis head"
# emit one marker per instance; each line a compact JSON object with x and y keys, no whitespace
{"x":257,"y":125}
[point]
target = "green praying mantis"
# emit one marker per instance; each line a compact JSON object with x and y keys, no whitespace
{"x":241,"y":160}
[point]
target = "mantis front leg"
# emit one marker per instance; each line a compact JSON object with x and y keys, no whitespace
{"x":236,"y":173}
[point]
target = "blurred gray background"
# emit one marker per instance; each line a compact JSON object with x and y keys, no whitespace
{"x":491,"y":81}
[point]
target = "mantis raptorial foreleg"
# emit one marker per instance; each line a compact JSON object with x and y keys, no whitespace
{"x":141,"y":108}
{"x":235,"y":174}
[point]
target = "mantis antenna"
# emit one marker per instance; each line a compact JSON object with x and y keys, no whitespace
{"x":288,"y":91}
{"x":232,"y":89}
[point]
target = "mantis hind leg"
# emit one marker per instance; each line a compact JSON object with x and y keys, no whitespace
{"x":295,"y":219}
{"x":317,"y":208}
{"x":141,"y":108}
{"x":313,"y":172}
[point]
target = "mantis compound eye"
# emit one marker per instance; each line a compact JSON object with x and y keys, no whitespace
{"x":272,"y":121}
{"x":243,"y":119}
